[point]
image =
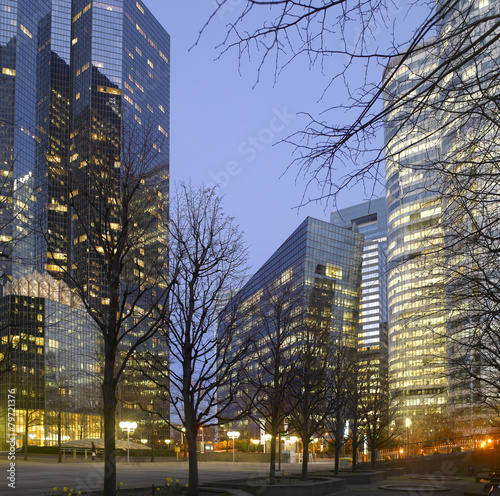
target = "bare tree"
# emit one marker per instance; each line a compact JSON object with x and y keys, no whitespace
{"x":374,"y":410}
{"x":308,"y":395}
{"x":341,"y":386}
{"x":275,"y":317}
{"x":118,"y":269}
{"x":206,"y":264}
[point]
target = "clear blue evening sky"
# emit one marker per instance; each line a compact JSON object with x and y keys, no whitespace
{"x":220,"y":123}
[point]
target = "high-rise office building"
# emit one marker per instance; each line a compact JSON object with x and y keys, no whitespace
{"x":370,"y":219}
{"x":83,"y":86}
{"x":317,"y":273}
{"x":439,"y":142}
{"x":417,"y":323}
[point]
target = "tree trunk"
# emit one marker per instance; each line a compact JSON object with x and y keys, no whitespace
{"x":272,"y":464}
{"x":193,"y":464}
{"x":305,"y":457}
{"x":26,"y":422}
{"x":337,"y":456}
{"x":109,"y":400}
{"x":59,"y":443}
{"x":354,"y":456}
{"x":152,"y":445}
{"x":373,"y":453}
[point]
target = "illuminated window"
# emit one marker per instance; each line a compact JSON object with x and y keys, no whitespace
{"x":25,"y":31}
{"x":74,"y":41}
{"x":138,"y":50}
{"x":163,"y":56}
{"x":161,"y":108}
{"x":150,"y":64}
{"x":140,"y":30}
{"x":128,"y":99}
{"x":8,"y":72}
{"x":163,"y":131}
{"x":138,"y":5}
{"x":138,"y":119}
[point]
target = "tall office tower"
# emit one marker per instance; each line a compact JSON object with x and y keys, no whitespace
{"x":370,"y":219}
{"x":84,"y":91}
{"x":318,"y":268}
{"x":416,"y":299}
{"x":441,"y":158}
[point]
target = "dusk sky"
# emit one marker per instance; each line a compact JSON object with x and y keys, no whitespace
{"x":223,"y":129}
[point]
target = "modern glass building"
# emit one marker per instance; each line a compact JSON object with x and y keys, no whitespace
{"x":317,"y":271}
{"x":84,"y":85}
{"x":441,"y":151}
{"x":50,"y":344}
{"x":417,"y":319}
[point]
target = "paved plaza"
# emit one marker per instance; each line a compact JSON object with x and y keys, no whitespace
{"x":38,"y":476}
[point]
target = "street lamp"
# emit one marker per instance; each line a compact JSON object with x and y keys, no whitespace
{"x":129,"y":427}
{"x":233,"y":435}
{"x":184,"y":455}
{"x":255,"y":442}
{"x":167,"y":442}
{"x":408,"y":422}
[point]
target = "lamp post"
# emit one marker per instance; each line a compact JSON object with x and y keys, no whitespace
{"x":233,"y":435}
{"x":255,"y":442}
{"x":184,"y":454}
{"x":408,"y":422}
{"x":167,"y":442}
{"x":129,"y":427}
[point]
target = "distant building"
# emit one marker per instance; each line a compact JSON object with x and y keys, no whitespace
{"x":370,"y":219}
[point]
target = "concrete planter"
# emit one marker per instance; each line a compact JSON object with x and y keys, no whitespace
{"x":362,"y":477}
{"x":317,"y":486}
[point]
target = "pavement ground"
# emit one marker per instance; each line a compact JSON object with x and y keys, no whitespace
{"x":38,"y":477}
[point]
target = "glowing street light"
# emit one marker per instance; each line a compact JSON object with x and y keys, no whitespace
{"x":233,"y":435}
{"x":129,"y":427}
{"x":184,"y":455}
{"x":408,"y":423}
{"x":167,"y":442}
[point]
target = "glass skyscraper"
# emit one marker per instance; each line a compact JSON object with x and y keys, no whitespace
{"x":82,"y":84}
{"x":370,"y":219}
{"x":441,"y":155}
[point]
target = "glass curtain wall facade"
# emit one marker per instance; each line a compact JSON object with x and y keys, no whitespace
{"x":370,"y":219}
{"x":50,"y":344}
{"x":441,"y":166}
{"x":415,"y":238}
{"x":80,"y":80}
{"x":321,"y":263}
